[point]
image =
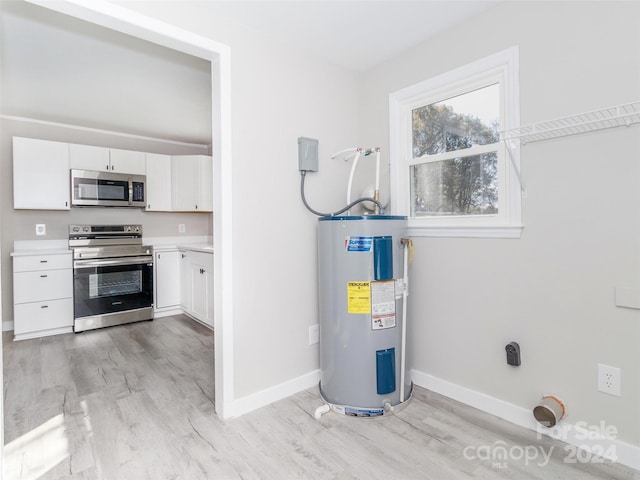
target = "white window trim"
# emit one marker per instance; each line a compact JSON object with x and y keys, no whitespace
{"x":506,"y":225}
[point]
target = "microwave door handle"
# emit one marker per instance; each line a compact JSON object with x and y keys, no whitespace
{"x":130,"y":190}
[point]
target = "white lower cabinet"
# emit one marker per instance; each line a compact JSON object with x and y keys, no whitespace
{"x":42,"y":295}
{"x":167,"y":280}
{"x":196,"y":285}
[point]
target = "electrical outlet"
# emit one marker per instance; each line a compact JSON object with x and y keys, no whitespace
{"x":182,"y":228}
{"x":314,"y":334}
{"x":41,"y":229}
{"x":609,"y":380}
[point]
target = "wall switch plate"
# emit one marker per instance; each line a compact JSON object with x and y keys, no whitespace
{"x":41,"y":229}
{"x":314,"y":334}
{"x":182,"y":228}
{"x":609,"y":380}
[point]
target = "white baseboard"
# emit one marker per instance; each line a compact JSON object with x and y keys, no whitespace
{"x":263,"y":398}
{"x":166,"y":313}
{"x":579,"y":434}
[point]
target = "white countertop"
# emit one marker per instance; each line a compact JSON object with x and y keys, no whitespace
{"x":202,"y":247}
{"x":201,"y":243}
{"x":40,"y":247}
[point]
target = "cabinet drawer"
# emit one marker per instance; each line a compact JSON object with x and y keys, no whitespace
{"x":32,"y":263}
{"x":42,"y":285}
{"x":39,"y":316}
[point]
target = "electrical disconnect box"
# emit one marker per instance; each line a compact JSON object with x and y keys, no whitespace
{"x":307,"y":154}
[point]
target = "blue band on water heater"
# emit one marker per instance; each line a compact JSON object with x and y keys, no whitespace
{"x":383,"y":258}
{"x":386,"y":371}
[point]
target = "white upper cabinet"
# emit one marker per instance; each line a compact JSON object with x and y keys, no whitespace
{"x":88,"y":157}
{"x":206,"y":183}
{"x":192,"y":183}
{"x":41,"y":179}
{"x":40,"y":174}
{"x":158,"y":171}
{"x":102,"y":159}
{"x":127,"y":161}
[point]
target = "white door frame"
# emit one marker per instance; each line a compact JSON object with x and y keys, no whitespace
{"x":121,"y":19}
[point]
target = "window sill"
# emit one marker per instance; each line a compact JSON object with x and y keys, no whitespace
{"x":465,"y":231}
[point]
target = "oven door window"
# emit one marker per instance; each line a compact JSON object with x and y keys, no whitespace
{"x":111,"y":289}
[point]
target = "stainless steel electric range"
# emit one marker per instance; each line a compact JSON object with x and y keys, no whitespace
{"x":112,"y":276}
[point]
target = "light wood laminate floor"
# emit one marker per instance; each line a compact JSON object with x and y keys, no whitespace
{"x":135,"y":402}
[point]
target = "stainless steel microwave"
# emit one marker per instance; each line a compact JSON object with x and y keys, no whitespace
{"x":107,"y":189}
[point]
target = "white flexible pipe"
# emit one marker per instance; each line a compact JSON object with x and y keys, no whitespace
{"x":377,"y":169}
{"x":376,"y":191}
{"x":321,"y":410}
{"x":351,"y":175}
{"x":405,"y":294}
{"x":346,"y":150}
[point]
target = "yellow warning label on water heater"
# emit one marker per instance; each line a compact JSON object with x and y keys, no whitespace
{"x":359,"y":297}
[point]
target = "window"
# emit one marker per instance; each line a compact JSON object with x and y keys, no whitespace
{"x":451,"y":173}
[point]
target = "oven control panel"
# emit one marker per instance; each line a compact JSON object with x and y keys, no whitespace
{"x":114,"y":230}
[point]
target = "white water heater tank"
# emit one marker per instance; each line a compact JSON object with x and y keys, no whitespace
{"x":360,"y":268}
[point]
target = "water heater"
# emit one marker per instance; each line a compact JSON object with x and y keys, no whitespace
{"x":360,"y":268}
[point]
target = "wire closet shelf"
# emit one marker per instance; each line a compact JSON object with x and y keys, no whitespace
{"x":618,"y":116}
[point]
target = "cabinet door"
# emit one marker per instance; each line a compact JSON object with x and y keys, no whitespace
{"x":42,"y":285}
{"x":202,"y":287}
{"x":185,"y":182}
{"x":167,"y":267}
{"x":40,"y":174}
{"x":127,"y":161}
{"x":209,"y":280}
{"x":198,"y":292}
{"x":30,"y":318}
{"x":185,"y":282}
{"x":158,"y":171}
{"x":89,"y":157}
{"x":206,"y":184}
{"x":33,"y":263}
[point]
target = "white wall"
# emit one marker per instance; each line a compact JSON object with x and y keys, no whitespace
{"x":278,"y":95}
{"x":552,"y":291}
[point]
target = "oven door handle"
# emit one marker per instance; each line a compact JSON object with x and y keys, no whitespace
{"x":130,"y":190}
{"x":106,"y":262}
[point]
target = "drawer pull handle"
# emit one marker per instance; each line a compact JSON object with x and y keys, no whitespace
{"x":44,"y":261}
{"x":44,"y":306}
{"x":44,"y":276}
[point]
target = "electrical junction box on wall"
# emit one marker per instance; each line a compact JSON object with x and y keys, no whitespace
{"x":307,"y":154}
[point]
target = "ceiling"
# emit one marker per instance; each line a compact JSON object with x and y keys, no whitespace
{"x":355,"y":34}
{"x":59,"y":69}
{"x":56,"y":68}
